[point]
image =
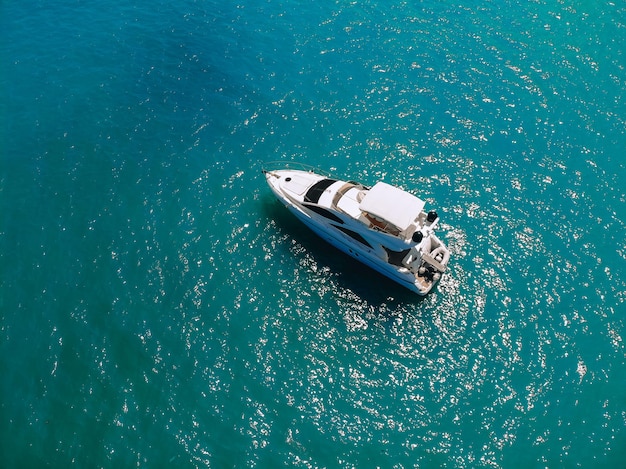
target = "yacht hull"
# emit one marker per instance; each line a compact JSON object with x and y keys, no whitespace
{"x":340,"y":242}
{"x":333,"y":210}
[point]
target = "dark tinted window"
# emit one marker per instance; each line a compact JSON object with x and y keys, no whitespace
{"x":315,"y":192}
{"x":325,"y":213}
{"x":396,"y":257}
{"x":354,"y":235}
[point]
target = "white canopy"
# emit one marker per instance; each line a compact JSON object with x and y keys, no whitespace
{"x":392,"y":204}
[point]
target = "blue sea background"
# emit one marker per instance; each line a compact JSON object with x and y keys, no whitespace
{"x":159,"y":308}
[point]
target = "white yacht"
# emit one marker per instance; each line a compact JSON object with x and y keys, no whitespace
{"x":383,"y":226}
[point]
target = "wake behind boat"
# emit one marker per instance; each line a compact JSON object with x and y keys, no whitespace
{"x":383,"y":226}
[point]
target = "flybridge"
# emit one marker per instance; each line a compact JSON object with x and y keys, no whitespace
{"x":393,"y":205}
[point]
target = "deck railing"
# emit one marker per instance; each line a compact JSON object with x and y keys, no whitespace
{"x":295,"y":165}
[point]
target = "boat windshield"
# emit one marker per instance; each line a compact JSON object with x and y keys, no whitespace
{"x":315,"y":192}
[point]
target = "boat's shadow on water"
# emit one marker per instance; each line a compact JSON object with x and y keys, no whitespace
{"x":350,"y":274}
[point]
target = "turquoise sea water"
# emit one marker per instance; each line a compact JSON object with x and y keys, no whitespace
{"x":159,"y":308}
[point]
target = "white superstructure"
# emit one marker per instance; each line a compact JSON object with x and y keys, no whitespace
{"x":383,"y":226}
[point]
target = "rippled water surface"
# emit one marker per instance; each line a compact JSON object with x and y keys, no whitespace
{"x":159,"y":307}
